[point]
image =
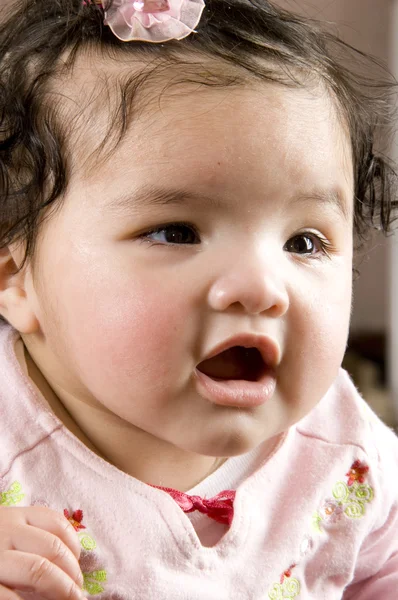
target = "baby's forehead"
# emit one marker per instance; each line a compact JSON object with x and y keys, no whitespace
{"x":101,"y":99}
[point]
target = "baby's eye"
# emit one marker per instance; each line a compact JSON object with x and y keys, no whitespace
{"x":176,"y":233}
{"x":306,"y":243}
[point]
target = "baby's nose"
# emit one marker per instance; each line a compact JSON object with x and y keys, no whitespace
{"x":254,"y":287}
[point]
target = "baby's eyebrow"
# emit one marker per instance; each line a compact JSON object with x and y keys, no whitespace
{"x":331,"y":197}
{"x":155,"y":196}
{"x":152,"y":196}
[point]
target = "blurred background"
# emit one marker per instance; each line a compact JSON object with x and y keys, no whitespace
{"x":372,"y":356}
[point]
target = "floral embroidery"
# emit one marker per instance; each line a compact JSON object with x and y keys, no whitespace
{"x":357,"y":472}
{"x":12,"y":496}
{"x":287,"y":573}
{"x":75,"y":519}
{"x":94,"y":575}
{"x":90,"y":561}
{"x":331,"y":511}
{"x":349,"y":499}
{"x":93,"y":580}
{"x":287,"y":588}
{"x":290,"y":588}
{"x":87,"y":542}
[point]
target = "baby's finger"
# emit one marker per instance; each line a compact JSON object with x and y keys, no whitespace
{"x":55,"y":523}
{"x":32,"y":540}
{"x":33,"y":573}
{"x":7,"y":594}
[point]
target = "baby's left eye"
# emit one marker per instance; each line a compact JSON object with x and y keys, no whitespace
{"x":175,"y":233}
{"x":305,"y":243}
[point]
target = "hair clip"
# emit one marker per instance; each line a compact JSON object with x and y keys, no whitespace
{"x":153,"y":21}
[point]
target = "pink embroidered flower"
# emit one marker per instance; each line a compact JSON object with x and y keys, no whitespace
{"x":331,"y":511}
{"x":90,"y":561}
{"x":75,"y":519}
{"x":153,"y":20}
{"x":357,"y":472}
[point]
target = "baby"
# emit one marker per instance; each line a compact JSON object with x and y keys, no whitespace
{"x":182,"y":187}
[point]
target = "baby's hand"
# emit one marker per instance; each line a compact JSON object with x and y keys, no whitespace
{"x":39,"y":553}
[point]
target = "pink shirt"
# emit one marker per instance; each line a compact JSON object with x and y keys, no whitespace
{"x":316,"y":519}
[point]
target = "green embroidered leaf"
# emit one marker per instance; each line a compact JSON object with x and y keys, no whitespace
{"x":355,"y":509}
{"x":353,"y":498}
{"x":87,"y":542}
{"x":98,"y":575}
{"x":276,"y":592}
{"x":316,"y":522}
{"x":12,"y":496}
{"x":364,"y":493}
{"x":93,"y":588}
{"x":341,"y":491}
{"x":91,"y":580}
{"x":290,"y":588}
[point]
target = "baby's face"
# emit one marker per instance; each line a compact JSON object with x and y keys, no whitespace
{"x":223,"y":219}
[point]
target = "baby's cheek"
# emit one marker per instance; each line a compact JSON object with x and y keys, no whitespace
{"x":136,"y":333}
{"x":329,"y":337}
{"x":320,"y":331}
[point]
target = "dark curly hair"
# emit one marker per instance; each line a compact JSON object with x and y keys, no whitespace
{"x":247,"y":39}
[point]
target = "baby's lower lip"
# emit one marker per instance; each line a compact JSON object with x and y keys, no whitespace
{"x":236,"y":392}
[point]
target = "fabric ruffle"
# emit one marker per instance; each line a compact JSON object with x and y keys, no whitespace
{"x":153,"y":20}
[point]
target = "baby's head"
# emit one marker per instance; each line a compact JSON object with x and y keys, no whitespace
{"x":187,"y":212}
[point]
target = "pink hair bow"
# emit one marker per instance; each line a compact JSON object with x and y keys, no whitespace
{"x":153,"y":20}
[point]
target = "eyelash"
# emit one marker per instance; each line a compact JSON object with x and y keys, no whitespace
{"x":325,"y":247}
{"x":145,"y":236}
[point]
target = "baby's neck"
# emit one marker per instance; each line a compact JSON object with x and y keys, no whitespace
{"x":130,"y":449}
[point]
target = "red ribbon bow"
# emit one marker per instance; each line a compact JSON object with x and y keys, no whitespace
{"x":220,"y":508}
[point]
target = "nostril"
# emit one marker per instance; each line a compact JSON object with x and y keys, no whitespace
{"x":235,"y":363}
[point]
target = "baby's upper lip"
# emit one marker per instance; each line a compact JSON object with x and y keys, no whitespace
{"x":267,"y":346}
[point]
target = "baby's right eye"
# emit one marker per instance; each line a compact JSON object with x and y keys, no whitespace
{"x":175,"y":233}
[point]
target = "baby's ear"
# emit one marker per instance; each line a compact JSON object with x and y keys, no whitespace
{"x":14,"y":300}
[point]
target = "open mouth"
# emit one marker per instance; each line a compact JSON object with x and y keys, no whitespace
{"x":242,"y":374}
{"x":236,"y":363}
